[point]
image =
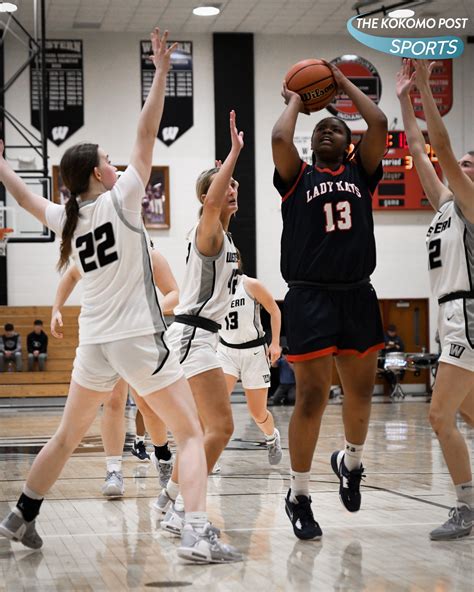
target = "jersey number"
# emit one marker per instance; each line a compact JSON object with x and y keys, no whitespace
{"x":232,"y":321}
{"x":435,"y":253}
{"x":343,"y":215}
{"x":233,"y":281}
{"x":98,"y":242}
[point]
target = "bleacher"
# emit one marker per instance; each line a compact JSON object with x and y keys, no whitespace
{"x":54,"y":381}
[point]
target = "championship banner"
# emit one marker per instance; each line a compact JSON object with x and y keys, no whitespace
{"x":441,"y":83}
{"x":64,"y":92}
{"x":364,"y":75}
{"x":178,"y":113}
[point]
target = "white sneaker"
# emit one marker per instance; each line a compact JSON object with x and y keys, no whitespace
{"x":113,"y":486}
{"x":164,"y":468}
{"x":274,"y":449}
{"x":205,"y":547}
{"x":173,"y":521}
{"x":163,"y":503}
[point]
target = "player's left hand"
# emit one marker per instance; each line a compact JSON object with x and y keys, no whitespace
{"x":423,"y":71}
{"x":338,"y":75}
{"x":274,"y":353}
{"x":405,"y":79}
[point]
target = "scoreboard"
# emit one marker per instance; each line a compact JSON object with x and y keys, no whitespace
{"x":400,"y":187}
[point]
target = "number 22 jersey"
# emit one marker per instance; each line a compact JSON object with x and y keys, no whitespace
{"x":328,"y":228}
{"x":111,"y":250}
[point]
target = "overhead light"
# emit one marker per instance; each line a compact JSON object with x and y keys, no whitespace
{"x":206,"y":10}
{"x":401,"y":13}
{"x":8,"y":7}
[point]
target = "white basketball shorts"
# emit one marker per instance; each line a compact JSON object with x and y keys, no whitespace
{"x":195,"y":348}
{"x":250,"y":365}
{"x":146,"y":362}
{"x":456,"y":332}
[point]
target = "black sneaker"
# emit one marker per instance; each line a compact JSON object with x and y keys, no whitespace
{"x":349,"y":482}
{"x":301,"y":516}
{"x":139,"y":450}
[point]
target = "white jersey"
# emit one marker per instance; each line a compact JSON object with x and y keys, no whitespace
{"x":209,"y":282}
{"x":450,"y":243}
{"x":242,"y":323}
{"x":111,"y":250}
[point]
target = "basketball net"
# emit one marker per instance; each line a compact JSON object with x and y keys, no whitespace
{"x":4,"y":232}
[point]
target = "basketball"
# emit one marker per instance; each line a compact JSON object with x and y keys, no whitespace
{"x":313,"y":80}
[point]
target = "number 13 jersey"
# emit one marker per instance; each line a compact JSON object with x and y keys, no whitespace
{"x":111,"y":249}
{"x":450,"y":243}
{"x":328,"y":228}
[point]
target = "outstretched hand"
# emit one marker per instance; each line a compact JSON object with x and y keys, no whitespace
{"x":236,"y":136}
{"x":161,"y":53}
{"x":338,"y":75}
{"x":423,"y":71}
{"x":405,"y":79}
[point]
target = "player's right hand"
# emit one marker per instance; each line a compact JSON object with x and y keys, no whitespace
{"x":56,"y":320}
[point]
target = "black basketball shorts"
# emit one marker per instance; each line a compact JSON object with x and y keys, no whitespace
{"x":321,"y":322}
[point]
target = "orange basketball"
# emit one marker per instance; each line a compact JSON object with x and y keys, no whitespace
{"x":313,"y":80}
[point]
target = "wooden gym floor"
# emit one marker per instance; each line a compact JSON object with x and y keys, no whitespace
{"x":94,"y":544}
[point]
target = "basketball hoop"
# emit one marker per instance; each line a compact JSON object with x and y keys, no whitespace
{"x":4,"y":232}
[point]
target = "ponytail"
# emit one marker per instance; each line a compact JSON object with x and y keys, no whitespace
{"x":77,"y":165}
{"x":72,"y":217}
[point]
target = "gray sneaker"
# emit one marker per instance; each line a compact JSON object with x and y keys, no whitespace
{"x":113,"y":486}
{"x":16,"y":528}
{"x":173,"y":521}
{"x":205,"y":547}
{"x":274,"y":449}
{"x":164,"y":468}
{"x":459,"y":525}
{"x":163,"y":502}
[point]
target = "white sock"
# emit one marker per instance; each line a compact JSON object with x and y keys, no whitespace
{"x":299,"y":485}
{"x":464,"y":494}
{"x":139,"y":438}
{"x":114,"y":463}
{"x":271,"y":437}
{"x":179,"y":503}
{"x":32,"y":494}
{"x":353,"y":455}
{"x":172,"y":489}
{"x":197,"y":520}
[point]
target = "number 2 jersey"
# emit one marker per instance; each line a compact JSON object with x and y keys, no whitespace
{"x":328,"y":228}
{"x":111,"y":249}
{"x":450,"y":243}
{"x":209,"y":282}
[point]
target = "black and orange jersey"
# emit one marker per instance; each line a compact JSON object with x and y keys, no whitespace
{"x":328,"y":227}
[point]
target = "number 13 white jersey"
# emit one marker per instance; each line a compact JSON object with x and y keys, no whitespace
{"x":450,"y":243}
{"x":110,"y":248}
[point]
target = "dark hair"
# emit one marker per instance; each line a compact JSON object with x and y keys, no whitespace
{"x":76,"y":167}
{"x":347,"y":130}
{"x":391,"y":328}
{"x":38,"y":322}
{"x":8,"y":327}
{"x":240,"y":261}
{"x":470,"y":152}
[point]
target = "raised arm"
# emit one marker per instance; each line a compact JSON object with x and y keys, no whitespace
{"x":258,"y":291}
{"x":434,"y":189}
{"x":459,"y":183}
{"x":150,"y":116}
{"x":285,"y":155}
{"x":34,"y":204}
{"x":209,"y":232}
{"x":373,"y":144}
{"x":65,"y":287}
{"x":165,"y":282}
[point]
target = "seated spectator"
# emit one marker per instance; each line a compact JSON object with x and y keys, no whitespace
{"x":285,"y":393}
{"x":393,"y":343}
{"x":37,"y":343}
{"x":10,"y":348}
